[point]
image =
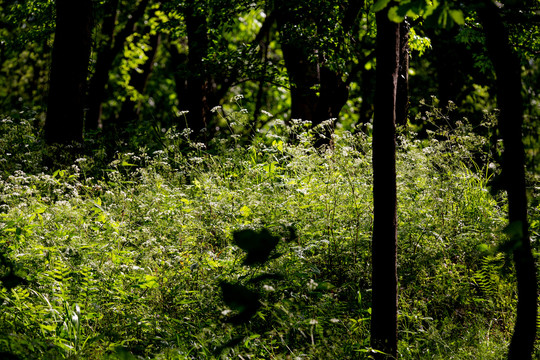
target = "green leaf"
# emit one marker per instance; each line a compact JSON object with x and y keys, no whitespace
{"x":325,"y":286}
{"x":393,"y":15}
{"x":457,"y":16}
{"x":379,"y":5}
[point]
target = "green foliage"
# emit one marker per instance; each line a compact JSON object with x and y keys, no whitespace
{"x":487,"y":277}
{"x":142,"y":256}
{"x":20,"y":147}
{"x":436,"y":13}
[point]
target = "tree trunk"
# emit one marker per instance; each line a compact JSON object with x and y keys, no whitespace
{"x":318,"y":93}
{"x":402,"y":105}
{"x":105,"y":60}
{"x":262,"y":90}
{"x":130,"y":109}
{"x":510,"y":103}
{"x":304,"y":78}
{"x":199,"y":96}
{"x":69,"y":69}
{"x":384,"y":242}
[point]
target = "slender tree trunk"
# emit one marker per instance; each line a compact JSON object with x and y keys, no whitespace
{"x":384,"y":244}
{"x":130,"y":109}
{"x":510,"y":103}
{"x":105,"y":60}
{"x":199,"y":99}
{"x":69,"y":69}
{"x":96,"y":91}
{"x":262,"y":89}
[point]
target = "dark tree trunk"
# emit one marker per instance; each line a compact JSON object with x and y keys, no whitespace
{"x":69,"y":69}
{"x":139,"y":79}
{"x":384,"y":242}
{"x":367,"y":83}
{"x":450,"y":65}
{"x":113,"y":46}
{"x":199,"y":95}
{"x":317,"y":92}
{"x":402,"y":105}
{"x":105,"y":58}
{"x":96,"y":91}
{"x":262,"y":90}
{"x":334,"y":94}
{"x":303,"y":78}
{"x":196,"y":86}
{"x":510,"y":103}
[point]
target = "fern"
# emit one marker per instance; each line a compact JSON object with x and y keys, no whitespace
{"x":487,"y":277}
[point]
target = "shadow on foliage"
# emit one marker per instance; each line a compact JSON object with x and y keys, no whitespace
{"x":8,"y":277}
{"x":245,"y":298}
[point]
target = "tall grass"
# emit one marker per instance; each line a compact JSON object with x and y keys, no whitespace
{"x":125,"y":260}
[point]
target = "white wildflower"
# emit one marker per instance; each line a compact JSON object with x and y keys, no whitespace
{"x":328,"y":122}
{"x":312,"y":285}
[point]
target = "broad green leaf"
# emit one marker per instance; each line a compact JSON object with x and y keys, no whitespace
{"x":393,"y":15}
{"x":457,"y":16}
{"x":379,"y":5}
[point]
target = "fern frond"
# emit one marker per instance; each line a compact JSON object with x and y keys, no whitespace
{"x":487,"y":277}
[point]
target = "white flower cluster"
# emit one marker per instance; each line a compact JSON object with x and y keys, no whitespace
{"x":312,"y":285}
{"x":329,"y":122}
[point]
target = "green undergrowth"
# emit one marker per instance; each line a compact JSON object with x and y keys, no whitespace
{"x":125,"y":260}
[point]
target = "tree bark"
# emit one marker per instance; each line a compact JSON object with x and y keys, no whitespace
{"x":69,"y":69}
{"x":384,"y":242}
{"x":105,"y":59}
{"x":304,"y":78}
{"x":402,"y":105}
{"x":510,"y":103}
{"x":199,"y":95}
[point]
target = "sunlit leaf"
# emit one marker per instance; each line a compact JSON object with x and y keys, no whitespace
{"x":379,"y":5}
